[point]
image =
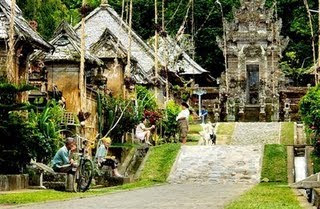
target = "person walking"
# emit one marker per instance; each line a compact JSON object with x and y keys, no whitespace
{"x":183,"y":120}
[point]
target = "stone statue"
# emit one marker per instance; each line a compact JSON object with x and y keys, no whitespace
{"x":242,"y":104}
{"x":216,"y":117}
{"x":231,"y":109}
{"x":287,"y":110}
{"x":262,"y":103}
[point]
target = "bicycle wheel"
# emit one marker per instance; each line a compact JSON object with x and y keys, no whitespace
{"x":85,"y":175}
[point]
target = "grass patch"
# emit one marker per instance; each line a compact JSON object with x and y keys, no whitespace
{"x":225,"y":132}
{"x":156,"y":171}
{"x":159,"y":163}
{"x":274,"y":166}
{"x":225,"y":129}
{"x":50,"y":195}
{"x":287,"y":133}
{"x":267,"y":196}
{"x":194,"y":128}
{"x":316,"y":162}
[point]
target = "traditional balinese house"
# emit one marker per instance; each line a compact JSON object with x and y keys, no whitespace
{"x":26,"y":41}
{"x":114,"y":55}
{"x":63,"y":73}
{"x":105,"y":24}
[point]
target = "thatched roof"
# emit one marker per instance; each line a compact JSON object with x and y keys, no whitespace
{"x":22,"y":28}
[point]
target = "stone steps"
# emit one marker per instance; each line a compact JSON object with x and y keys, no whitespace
{"x":218,"y":164}
{"x":256,"y":133}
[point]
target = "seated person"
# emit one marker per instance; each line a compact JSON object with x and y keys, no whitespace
{"x":62,"y":161}
{"x":143,"y":133}
{"x":103,"y":159}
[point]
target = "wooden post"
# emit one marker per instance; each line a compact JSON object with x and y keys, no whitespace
{"x":128,"y":67}
{"x":156,"y":45}
{"x":12,"y":72}
{"x":82,"y":86}
{"x":317,"y":76}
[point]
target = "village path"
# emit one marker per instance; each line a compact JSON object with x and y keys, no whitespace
{"x":170,"y":196}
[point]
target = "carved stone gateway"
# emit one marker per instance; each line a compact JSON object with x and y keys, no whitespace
{"x":253,"y":50}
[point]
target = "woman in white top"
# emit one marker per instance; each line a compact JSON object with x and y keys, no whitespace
{"x":143,"y":133}
{"x":183,"y":120}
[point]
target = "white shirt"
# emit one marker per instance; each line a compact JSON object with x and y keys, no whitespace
{"x":140,"y":129}
{"x":183,"y":114}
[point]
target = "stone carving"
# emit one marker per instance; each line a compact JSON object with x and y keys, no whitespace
{"x":262,"y":103}
{"x":254,"y":47}
{"x":216,"y":117}
{"x":242,"y":101}
{"x":287,"y":109}
{"x":231,"y":109}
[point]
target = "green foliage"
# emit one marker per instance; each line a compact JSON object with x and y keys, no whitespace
{"x":48,"y":124}
{"x":170,"y":125}
{"x":296,"y":74}
{"x":274,"y":165}
{"x":295,"y":23}
{"x":27,"y":136}
{"x":310,"y":108}
{"x":267,"y":196}
{"x":145,"y":101}
{"x":122,"y":110}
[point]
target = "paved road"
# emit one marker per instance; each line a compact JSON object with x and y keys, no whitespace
{"x":171,"y":196}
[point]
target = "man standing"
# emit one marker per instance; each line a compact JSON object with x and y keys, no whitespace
{"x":183,"y":120}
{"x":62,"y":161}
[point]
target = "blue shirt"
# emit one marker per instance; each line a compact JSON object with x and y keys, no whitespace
{"x":61,"y":157}
{"x":101,"y":153}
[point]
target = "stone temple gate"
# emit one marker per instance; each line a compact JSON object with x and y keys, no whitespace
{"x":252,"y":45}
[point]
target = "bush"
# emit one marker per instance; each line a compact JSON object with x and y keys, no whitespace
{"x":310,"y":113}
{"x":310,"y":108}
{"x":170,"y":125}
{"x":25,"y":135}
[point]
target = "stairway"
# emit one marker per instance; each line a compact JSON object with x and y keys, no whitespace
{"x":256,"y":133}
{"x":218,"y":164}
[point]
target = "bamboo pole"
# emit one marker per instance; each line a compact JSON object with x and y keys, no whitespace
{"x":317,"y":77}
{"x":82,"y":86}
{"x":11,"y":70}
{"x":312,"y":34}
{"x":156,"y":45}
{"x":128,"y":73}
{"x":165,"y":55}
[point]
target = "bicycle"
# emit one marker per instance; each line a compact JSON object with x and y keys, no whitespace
{"x":84,"y":172}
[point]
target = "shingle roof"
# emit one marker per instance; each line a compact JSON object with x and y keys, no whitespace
{"x":178,"y":60}
{"x":105,"y":18}
{"x":22,"y":28}
{"x":67,"y":47}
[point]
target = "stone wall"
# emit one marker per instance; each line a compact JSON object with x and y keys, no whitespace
{"x":294,"y":95}
{"x":13,"y":182}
